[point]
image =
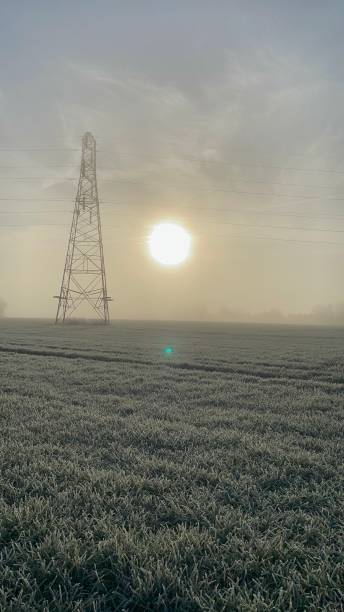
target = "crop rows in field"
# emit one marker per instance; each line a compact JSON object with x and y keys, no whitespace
{"x":209,"y":479}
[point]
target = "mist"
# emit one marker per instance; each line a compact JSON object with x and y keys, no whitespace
{"x":330,"y":314}
{"x":172,"y":340}
{"x":2,"y":308}
{"x":229,"y":126}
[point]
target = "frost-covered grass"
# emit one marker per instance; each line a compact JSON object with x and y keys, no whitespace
{"x":207,"y":479}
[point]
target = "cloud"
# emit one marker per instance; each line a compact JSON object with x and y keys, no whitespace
{"x":186,"y":126}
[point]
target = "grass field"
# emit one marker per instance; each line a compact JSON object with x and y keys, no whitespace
{"x":207,"y":479}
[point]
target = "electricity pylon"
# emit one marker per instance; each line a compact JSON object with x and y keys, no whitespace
{"x":84,"y":272}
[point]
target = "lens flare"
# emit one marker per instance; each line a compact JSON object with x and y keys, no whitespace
{"x":168,"y":350}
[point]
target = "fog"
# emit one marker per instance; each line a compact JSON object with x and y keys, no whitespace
{"x":225,"y":118}
{"x":2,"y":308}
{"x":330,"y":314}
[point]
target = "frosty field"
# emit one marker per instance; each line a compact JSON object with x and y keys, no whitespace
{"x":210,"y":478}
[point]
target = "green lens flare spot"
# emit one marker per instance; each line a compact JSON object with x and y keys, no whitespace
{"x":168,"y":350}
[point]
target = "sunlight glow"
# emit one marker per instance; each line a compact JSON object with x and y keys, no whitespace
{"x":169,"y":244}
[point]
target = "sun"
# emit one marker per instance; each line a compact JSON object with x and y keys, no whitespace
{"x":169,"y":244}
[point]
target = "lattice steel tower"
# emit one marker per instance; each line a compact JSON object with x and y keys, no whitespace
{"x":84,"y":272}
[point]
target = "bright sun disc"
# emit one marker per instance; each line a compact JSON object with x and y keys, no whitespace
{"x":169,"y":244}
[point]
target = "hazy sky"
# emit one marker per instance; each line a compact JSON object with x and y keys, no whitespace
{"x":197,"y":107}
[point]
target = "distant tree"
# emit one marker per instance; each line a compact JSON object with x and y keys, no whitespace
{"x":2,"y":308}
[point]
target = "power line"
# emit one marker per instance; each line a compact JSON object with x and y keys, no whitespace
{"x":38,"y":178}
{"x":179,"y":208}
{"x":325,"y":242}
{"x":24,"y":149}
{"x":106,"y":179}
{"x":283,"y":227}
{"x":269,"y":166}
{"x":234,"y":224}
{"x":34,"y":225}
{"x":35,"y":199}
{"x":32,"y":212}
{"x":214,"y":190}
{"x":229,"y":210}
{"x":227,"y":236}
{"x":34,"y":167}
{"x":179,"y":158}
{"x":191,"y":158}
{"x":202,"y":160}
{"x":221,"y":190}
